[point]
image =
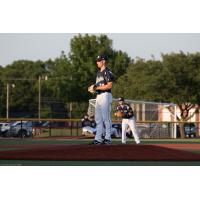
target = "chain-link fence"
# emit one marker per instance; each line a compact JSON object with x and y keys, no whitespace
{"x":54,"y":127}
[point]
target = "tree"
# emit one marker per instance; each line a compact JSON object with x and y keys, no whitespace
{"x":59,"y":88}
{"x":185,"y":72}
{"x":84,"y":51}
{"x":139,"y":80}
{"x":24,"y":97}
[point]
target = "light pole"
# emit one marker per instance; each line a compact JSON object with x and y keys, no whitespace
{"x":70,"y":104}
{"x":7,"y":98}
{"x":39,"y":94}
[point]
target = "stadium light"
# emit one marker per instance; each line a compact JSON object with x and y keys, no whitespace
{"x":7,"y":98}
{"x":39,"y":94}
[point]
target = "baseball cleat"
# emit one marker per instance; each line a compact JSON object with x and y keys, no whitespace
{"x":138,"y":142}
{"x":107,"y":141}
{"x":123,"y":142}
{"x":95,"y":142}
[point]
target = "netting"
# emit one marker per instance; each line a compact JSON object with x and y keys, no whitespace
{"x":153,"y":118}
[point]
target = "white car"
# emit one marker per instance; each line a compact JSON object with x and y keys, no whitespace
{"x":4,"y":128}
{"x":20,"y":129}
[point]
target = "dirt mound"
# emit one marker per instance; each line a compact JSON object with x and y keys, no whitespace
{"x":83,"y":152}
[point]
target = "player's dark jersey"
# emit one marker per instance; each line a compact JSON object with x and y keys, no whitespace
{"x":127,"y":110}
{"x":87,"y":122}
{"x":103,"y":78}
{"x":93,"y":123}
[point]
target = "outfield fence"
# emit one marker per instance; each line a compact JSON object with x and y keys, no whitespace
{"x":73,"y":127}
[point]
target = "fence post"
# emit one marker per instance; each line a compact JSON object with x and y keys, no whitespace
{"x":169,"y":128}
{"x":159,"y":130}
{"x":150,"y":130}
{"x":175,"y":128}
{"x":50,"y":129}
{"x":77,"y":128}
{"x":21,"y":129}
{"x":71,"y":126}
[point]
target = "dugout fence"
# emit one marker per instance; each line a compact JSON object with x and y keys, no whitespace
{"x":73,"y":127}
{"x":153,"y":121}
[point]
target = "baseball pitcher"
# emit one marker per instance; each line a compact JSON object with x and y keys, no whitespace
{"x":102,"y":87}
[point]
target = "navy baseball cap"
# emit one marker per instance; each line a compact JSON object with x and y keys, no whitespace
{"x":101,"y":57}
{"x":121,"y":99}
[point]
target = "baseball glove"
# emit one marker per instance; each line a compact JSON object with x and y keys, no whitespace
{"x":91,"y":89}
{"x":119,"y":114}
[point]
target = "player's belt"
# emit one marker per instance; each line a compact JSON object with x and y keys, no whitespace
{"x":128,"y":117}
{"x":103,"y":91}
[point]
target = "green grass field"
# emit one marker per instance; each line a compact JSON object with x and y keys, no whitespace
{"x":96,"y":163}
{"x":86,"y":141}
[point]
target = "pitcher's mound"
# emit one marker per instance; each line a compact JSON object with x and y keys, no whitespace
{"x":98,"y":153}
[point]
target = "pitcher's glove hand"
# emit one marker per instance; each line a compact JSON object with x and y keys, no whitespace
{"x":92,"y":89}
{"x":119,"y":114}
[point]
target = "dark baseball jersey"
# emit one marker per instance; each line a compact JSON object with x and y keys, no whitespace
{"x":93,"y":123}
{"x":103,"y":78}
{"x":87,"y":122}
{"x":127,"y":110}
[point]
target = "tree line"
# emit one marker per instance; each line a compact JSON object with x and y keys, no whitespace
{"x":68,"y":79}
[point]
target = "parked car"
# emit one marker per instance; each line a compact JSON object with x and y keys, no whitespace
{"x":190,"y":130}
{"x":37,"y":124}
{"x":53,"y":124}
{"x":21,"y":129}
{"x":4,"y":128}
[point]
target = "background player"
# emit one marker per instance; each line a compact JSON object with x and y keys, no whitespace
{"x":88,"y":125}
{"x":128,"y":119}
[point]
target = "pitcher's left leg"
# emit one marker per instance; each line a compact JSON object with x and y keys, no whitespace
{"x":106,"y":109}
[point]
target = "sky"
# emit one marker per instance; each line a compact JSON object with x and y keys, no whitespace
{"x":42,"y":46}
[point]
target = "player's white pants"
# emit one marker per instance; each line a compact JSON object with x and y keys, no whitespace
{"x":115,"y":132}
{"x":89,"y":129}
{"x":102,"y":115}
{"x":132,"y":124}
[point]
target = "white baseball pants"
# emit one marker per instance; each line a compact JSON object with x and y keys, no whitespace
{"x":102,"y":115}
{"x":89,"y":129}
{"x":132,"y":124}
